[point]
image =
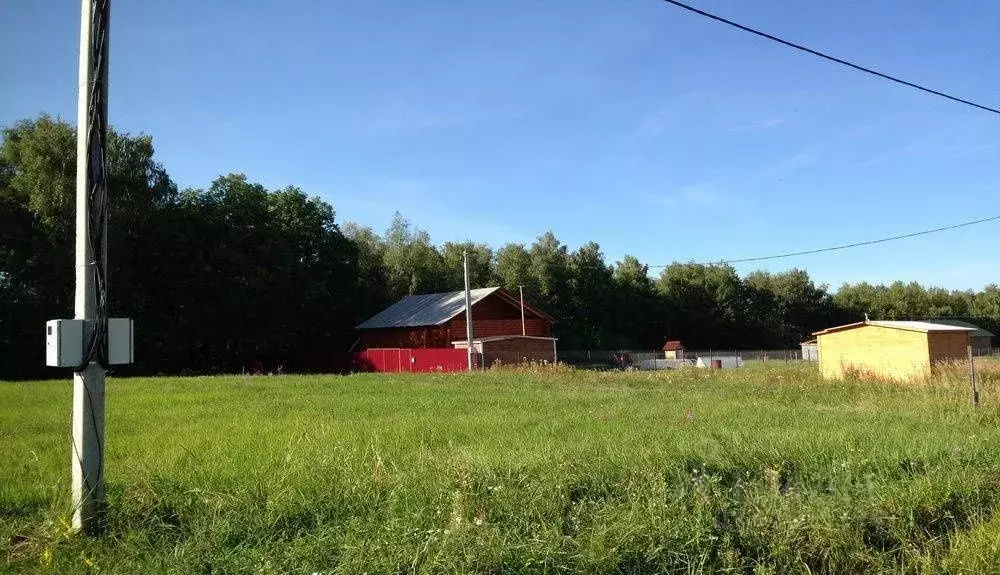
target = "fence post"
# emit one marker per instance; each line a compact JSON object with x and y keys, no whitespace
{"x":972,"y":379}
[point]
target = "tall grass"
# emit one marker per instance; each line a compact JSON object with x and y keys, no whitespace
{"x":765,"y":469}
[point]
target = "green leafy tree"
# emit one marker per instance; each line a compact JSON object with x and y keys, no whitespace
{"x":987,"y":302}
{"x":372,"y":290}
{"x":38,"y":163}
{"x":412,"y":263}
{"x":712,"y":304}
{"x":788,"y":307}
{"x":590,"y":300}
{"x":513,"y":269}
{"x":549,"y":269}
{"x":481,"y":272}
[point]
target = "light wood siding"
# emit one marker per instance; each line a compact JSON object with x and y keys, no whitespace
{"x":947,"y":346}
{"x":875,"y":350}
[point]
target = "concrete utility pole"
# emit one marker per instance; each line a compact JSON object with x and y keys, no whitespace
{"x":468,"y":309}
{"x":88,"y":384}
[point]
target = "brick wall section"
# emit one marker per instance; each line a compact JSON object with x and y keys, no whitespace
{"x":948,"y":346}
{"x":881,"y":351}
{"x":497,"y":307}
{"x":495,"y":327}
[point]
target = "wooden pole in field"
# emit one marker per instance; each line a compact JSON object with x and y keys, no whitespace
{"x":972,"y":379}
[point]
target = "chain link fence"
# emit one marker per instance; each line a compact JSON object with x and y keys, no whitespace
{"x":653,"y":360}
{"x":642,"y":359}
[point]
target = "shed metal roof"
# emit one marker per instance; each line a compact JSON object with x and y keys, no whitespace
{"x":924,"y":326}
{"x":980,"y":332}
{"x":424,"y":309}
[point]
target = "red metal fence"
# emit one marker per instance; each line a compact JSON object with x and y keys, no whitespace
{"x":403,"y":360}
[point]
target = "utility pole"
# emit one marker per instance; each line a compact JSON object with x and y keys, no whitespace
{"x":91,"y":145}
{"x":468,"y":309}
{"x":524,"y":330}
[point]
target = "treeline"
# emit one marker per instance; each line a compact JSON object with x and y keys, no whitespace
{"x":236,"y":275}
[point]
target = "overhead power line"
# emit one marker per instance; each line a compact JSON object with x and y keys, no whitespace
{"x":840,"y":61}
{"x":859,"y":244}
{"x":831,"y":248}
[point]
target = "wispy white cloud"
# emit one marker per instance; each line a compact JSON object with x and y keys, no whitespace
{"x":425,"y":203}
{"x":460,"y":227}
{"x":405,"y":189}
{"x":380,"y":198}
{"x":669,"y":113}
{"x":810,"y":155}
{"x":955,"y":151}
{"x":958,"y":151}
{"x":758,"y":126}
{"x":777,"y":171}
{"x":705,"y":196}
{"x":394,"y":119}
{"x":876,"y":160}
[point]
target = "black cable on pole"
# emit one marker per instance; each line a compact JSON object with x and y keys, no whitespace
{"x":831,"y":58}
{"x":97,"y":180}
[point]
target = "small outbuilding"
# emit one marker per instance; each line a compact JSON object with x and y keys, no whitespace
{"x":898,"y":350}
{"x":673,"y":350}
{"x":810,"y":350}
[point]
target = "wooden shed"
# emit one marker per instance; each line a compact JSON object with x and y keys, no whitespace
{"x":673,"y":349}
{"x":898,"y":350}
{"x":810,"y":350}
{"x":437,"y":320}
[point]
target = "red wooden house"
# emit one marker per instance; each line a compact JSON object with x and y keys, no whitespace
{"x":436,"y":321}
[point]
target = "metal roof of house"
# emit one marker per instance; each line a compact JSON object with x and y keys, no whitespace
{"x":924,"y":326}
{"x":980,"y":332}
{"x":424,"y":309}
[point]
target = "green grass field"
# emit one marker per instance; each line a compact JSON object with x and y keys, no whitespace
{"x":764,"y":469}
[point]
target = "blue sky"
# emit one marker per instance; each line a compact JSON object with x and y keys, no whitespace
{"x":626,"y":122}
